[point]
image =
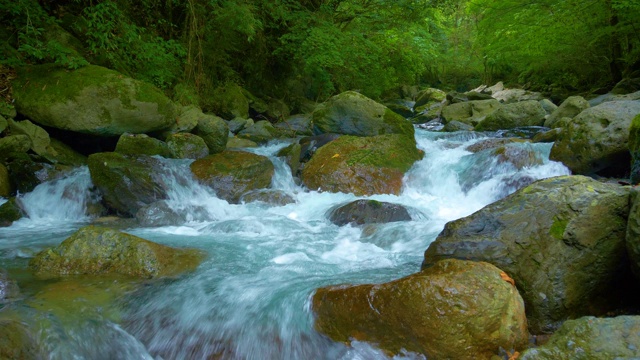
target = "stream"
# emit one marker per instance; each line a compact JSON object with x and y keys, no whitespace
{"x":250,"y":298}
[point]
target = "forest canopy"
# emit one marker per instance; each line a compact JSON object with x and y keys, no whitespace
{"x":316,"y":48}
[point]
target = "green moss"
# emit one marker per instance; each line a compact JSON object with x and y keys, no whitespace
{"x":558,"y":227}
{"x":389,"y":151}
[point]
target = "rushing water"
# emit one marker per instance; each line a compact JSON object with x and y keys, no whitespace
{"x":250,"y":299}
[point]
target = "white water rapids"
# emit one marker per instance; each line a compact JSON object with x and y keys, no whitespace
{"x":250,"y":298}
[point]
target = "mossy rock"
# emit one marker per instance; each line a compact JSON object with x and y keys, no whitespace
{"x":509,"y":116}
{"x":233,"y":173}
{"x":260,"y":132}
{"x":361,"y":165}
{"x":186,"y":121}
{"x":96,"y":250}
{"x":634,"y":149}
{"x":493,"y":143}
{"x":127,"y":182}
{"x":589,"y":338}
{"x":295,"y":125}
{"x":214,"y":131}
{"x":61,"y":153}
{"x":561,"y":239}
{"x":3,"y":124}
{"x":141,"y":144}
{"x":39,"y":138}
{"x":229,"y":101}
{"x":187,"y":146}
{"x":235,"y":142}
{"x":10,"y":211}
{"x":569,"y":108}
{"x":351,"y":113}
{"x":291,"y":155}
{"x":5,"y":182}
{"x":92,"y":100}
{"x":28,"y":171}
{"x":453,"y":310}
{"x":14,"y":144}
{"x":469,"y":112}
{"x":17,"y":342}
{"x":362,"y":212}
{"x":429,"y":95}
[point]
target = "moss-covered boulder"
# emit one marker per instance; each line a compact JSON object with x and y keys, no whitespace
{"x":214,"y":131}
{"x":509,"y":116}
{"x":10,"y":211}
{"x":141,"y":144}
{"x":5,"y":182}
{"x":453,"y":310}
{"x":186,"y":121}
{"x":17,"y":342}
{"x":591,"y":338}
{"x":429,"y":95}
{"x":236,"y":142}
{"x":127,"y":182}
{"x":62,"y":154}
{"x":92,"y":100}
{"x":362,"y":212}
{"x":229,"y":101}
{"x":14,"y":144}
{"x":187,"y":146}
{"x":569,"y":108}
{"x":39,"y":138}
{"x":634,"y":149}
{"x":492,"y":143}
{"x":597,"y":140}
{"x":469,"y":112}
{"x":561,"y":239}
{"x":351,"y":113}
{"x":310,"y":144}
{"x":295,"y":125}
{"x":361,"y":165}
{"x":291,"y":155}
{"x":260,"y":132}
{"x":234,"y":173}
{"x":96,"y":250}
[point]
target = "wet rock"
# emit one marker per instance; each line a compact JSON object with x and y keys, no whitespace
{"x":234,"y":143}
{"x":234,"y":173}
{"x":509,"y":116}
{"x":597,"y":140}
{"x":238,"y":124}
{"x":401,"y":107}
{"x":96,"y":250}
{"x":10,"y":211}
{"x":38,"y":137}
{"x":91,"y":100}
{"x":214,"y":131}
{"x":62,"y":154}
{"x":428,"y":112}
{"x":547,"y":136}
{"x":187,"y":146}
{"x":5,"y":182}
{"x":492,"y":143}
{"x":518,"y":156}
{"x":363,"y":166}
{"x":268,"y":196}
{"x":362,"y":212}
{"x":17,"y":342}
{"x":351,"y":113}
{"x":455,"y":125}
{"x":470,"y":112}
{"x":8,"y":288}
{"x":522,"y":132}
{"x":159,"y":213}
{"x":14,"y":144}
{"x":291,"y":156}
{"x":569,"y":108}
{"x":141,"y":144}
{"x":296,"y":125}
{"x":453,"y":310}
{"x":591,"y":338}
{"x":561,"y":239}
{"x":127,"y":182}
{"x":261,"y":132}
{"x":309,"y":145}
{"x":26,"y":174}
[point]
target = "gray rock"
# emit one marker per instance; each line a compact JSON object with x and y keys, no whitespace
{"x":470,"y":112}
{"x":569,"y":108}
{"x":214,"y":131}
{"x":509,"y":116}
{"x":362,"y":212}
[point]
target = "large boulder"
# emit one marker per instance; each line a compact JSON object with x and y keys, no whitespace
{"x":234,"y":173}
{"x":127,"y":182}
{"x":453,"y":310}
{"x":362,"y":212}
{"x":429,"y":95}
{"x":509,"y":116}
{"x":187,"y":146}
{"x":39,"y":138}
{"x":634,"y":149}
{"x":186,"y":121}
{"x":214,"y":131}
{"x":260,"y":132}
{"x":561,"y":239}
{"x":141,"y":144}
{"x":597,"y":139}
{"x":96,"y":250}
{"x":591,"y":338}
{"x":351,"y":113}
{"x":569,"y":108}
{"x":469,"y":112}
{"x":92,"y":100}
{"x":363,"y":166}
{"x":229,"y":101}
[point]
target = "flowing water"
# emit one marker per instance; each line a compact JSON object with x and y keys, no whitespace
{"x":250,"y":298}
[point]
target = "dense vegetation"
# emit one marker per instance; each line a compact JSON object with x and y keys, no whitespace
{"x":315,"y":48}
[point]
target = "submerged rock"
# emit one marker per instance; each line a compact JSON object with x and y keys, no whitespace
{"x":362,"y":212}
{"x":8,"y":288}
{"x":591,"y":338}
{"x":17,"y":341}
{"x":268,"y":196}
{"x":561,"y":239}
{"x":453,"y":310}
{"x":351,"y":113}
{"x":91,"y":100}
{"x":96,"y":250}
{"x":127,"y":182}
{"x":362,"y":165}
{"x":234,"y":173}
{"x":596,"y":141}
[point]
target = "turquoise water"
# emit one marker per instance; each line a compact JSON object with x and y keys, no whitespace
{"x":250,"y":298}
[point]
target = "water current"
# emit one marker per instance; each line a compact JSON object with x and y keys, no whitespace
{"x":250,"y":298}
